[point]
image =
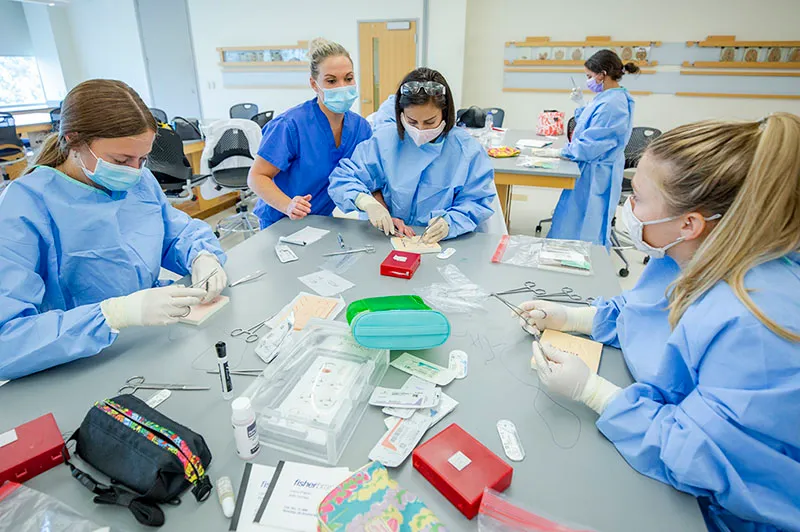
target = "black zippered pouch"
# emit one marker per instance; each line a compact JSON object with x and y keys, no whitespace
{"x":152,"y":456}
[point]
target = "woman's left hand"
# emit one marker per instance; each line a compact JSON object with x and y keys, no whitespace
{"x":203,"y":265}
{"x":402,"y":229}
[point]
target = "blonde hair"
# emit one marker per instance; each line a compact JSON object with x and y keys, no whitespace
{"x":320,"y":49}
{"x":94,"y":109}
{"x":748,"y":172}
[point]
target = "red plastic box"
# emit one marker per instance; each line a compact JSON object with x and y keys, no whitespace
{"x":39,"y":447}
{"x":460,"y":467}
{"x":400,"y":264}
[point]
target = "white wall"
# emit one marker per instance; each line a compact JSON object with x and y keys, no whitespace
{"x":106,"y":44}
{"x":491,"y":24}
{"x":447,"y":21}
{"x":39,"y":17}
{"x":265,"y":22}
{"x":14,"y":36}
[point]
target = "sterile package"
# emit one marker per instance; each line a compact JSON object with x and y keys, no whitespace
{"x":567,"y":256}
{"x":311,"y":401}
{"x":458,"y":294}
{"x":498,"y":514}
{"x":529,"y":161}
{"x":23,"y":509}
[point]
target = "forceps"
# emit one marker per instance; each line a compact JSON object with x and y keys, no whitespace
{"x":205,"y":279}
{"x":540,"y":293}
{"x":138,"y":383}
{"x":250,"y":333}
{"x":251,"y":277}
{"x":245,"y":372}
{"x":369,"y":248}
{"x":533,"y":330}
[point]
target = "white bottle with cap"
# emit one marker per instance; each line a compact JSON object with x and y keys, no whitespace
{"x":245,"y":430}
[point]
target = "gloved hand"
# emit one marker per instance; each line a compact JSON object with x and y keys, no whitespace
{"x":204,"y":263}
{"x":568,"y":375}
{"x":378,"y":214}
{"x":438,"y":228}
{"x":550,"y":315}
{"x":547,"y":152}
{"x":402,"y":229}
{"x":299,"y":207}
{"x":576,"y":95}
{"x":153,"y":306}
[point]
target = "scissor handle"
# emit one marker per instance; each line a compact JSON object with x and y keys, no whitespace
{"x":128,"y":388}
{"x":570,"y":293}
{"x":135,"y":381}
{"x":251,"y":338}
{"x":238,"y":332}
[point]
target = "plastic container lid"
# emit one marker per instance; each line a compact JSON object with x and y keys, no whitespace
{"x":242,"y":409}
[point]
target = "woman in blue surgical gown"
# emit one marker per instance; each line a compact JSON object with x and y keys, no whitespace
{"x":711,"y":333}
{"x":602,"y":131}
{"x":421,"y":170}
{"x":85,"y":233}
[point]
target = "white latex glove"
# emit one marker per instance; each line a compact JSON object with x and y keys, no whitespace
{"x":550,"y":315}
{"x":547,"y":152}
{"x":299,"y":207}
{"x":576,"y":95}
{"x":566,"y":374}
{"x":204,"y":263}
{"x":378,"y":214}
{"x":153,"y":306}
{"x":438,"y":228}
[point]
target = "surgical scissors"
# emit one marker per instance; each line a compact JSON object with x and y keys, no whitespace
{"x":205,"y":279}
{"x":537,"y":336}
{"x":138,"y":383}
{"x":540,"y":293}
{"x":250,"y":332}
{"x":369,"y":248}
{"x":248,"y":278}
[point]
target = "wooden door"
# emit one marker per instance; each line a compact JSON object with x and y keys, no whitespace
{"x":387,"y":52}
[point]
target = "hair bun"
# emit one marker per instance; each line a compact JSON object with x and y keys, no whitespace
{"x":631,"y":68}
{"x":317,"y":44}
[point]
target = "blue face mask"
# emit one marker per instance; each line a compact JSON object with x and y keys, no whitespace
{"x":340,"y":99}
{"x":114,"y":177}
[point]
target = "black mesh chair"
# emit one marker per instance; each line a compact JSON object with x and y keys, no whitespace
{"x":233,"y":143}
{"x":160,"y":115}
{"x":570,"y":130}
{"x":187,"y":129}
{"x":170,"y":166}
{"x":498,"y":115}
{"x":263,"y":118}
{"x":641,"y":137}
{"x":55,"y":119}
{"x":244,"y":110}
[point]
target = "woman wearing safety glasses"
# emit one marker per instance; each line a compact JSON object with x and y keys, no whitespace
{"x":419,"y":171}
{"x":301,"y":146}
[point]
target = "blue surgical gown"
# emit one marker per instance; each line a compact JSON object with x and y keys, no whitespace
{"x":451,"y":177}
{"x":65,"y":247}
{"x":300,"y":144}
{"x":715,"y":410}
{"x":602,"y":130}
{"x":385,"y":113}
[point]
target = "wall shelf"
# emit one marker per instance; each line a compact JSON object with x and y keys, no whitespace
{"x":560,"y":70}
{"x":733,"y":95}
{"x":590,"y":42}
{"x":556,"y":62}
{"x":268,"y":56}
{"x":740,"y":64}
{"x":725,"y":41}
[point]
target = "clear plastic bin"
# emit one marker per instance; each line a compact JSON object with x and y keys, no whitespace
{"x":311,"y":399}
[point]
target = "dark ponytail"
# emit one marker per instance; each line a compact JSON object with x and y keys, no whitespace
{"x":608,"y":62}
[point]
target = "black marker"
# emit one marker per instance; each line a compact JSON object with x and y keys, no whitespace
{"x":224,"y":371}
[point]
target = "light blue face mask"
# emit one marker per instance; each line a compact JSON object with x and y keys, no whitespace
{"x":114,"y":177}
{"x":340,"y":99}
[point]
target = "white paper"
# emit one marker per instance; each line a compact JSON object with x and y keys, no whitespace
{"x":297,"y":494}
{"x":257,"y":485}
{"x":325,"y":283}
{"x":532,"y":143}
{"x":8,"y":437}
{"x":459,"y":460}
{"x":309,"y":235}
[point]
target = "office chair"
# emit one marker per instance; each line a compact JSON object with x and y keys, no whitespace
{"x":161,"y":116}
{"x":229,"y":153}
{"x":244,"y":110}
{"x":12,"y":151}
{"x":55,"y":119}
{"x":187,"y":129}
{"x":498,"y":115}
{"x":170,"y":166}
{"x":263,"y":118}
{"x":570,"y":130}
{"x":641,"y":137}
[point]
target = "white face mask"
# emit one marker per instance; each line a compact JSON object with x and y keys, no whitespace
{"x":421,"y":136}
{"x":635,"y":227}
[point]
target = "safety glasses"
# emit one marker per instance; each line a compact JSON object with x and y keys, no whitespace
{"x":432,"y":88}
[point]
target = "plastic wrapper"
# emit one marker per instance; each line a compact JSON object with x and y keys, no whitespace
{"x":530,"y":161}
{"x":498,"y":514}
{"x":23,"y":509}
{"x":456,"y":295}
{"x":567,"y":256}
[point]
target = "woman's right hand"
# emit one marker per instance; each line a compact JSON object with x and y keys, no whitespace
{"x":299,"y":207}
{"x":402,"y":229}
{"x":543,"y":315}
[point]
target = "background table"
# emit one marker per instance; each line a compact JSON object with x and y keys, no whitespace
{"x":507,"y":173}
{"x":570,"y":472}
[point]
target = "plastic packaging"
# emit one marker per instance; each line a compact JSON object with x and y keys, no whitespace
{"x":567,"y":256}
{"x":498,"y":514}
{"x":245,"y":429}
{"x":225,"y":496}
{"x":529,"y":161}
{"x":23,"y":509}
{"x":457,"y":295}
{"x":310,"y":401}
